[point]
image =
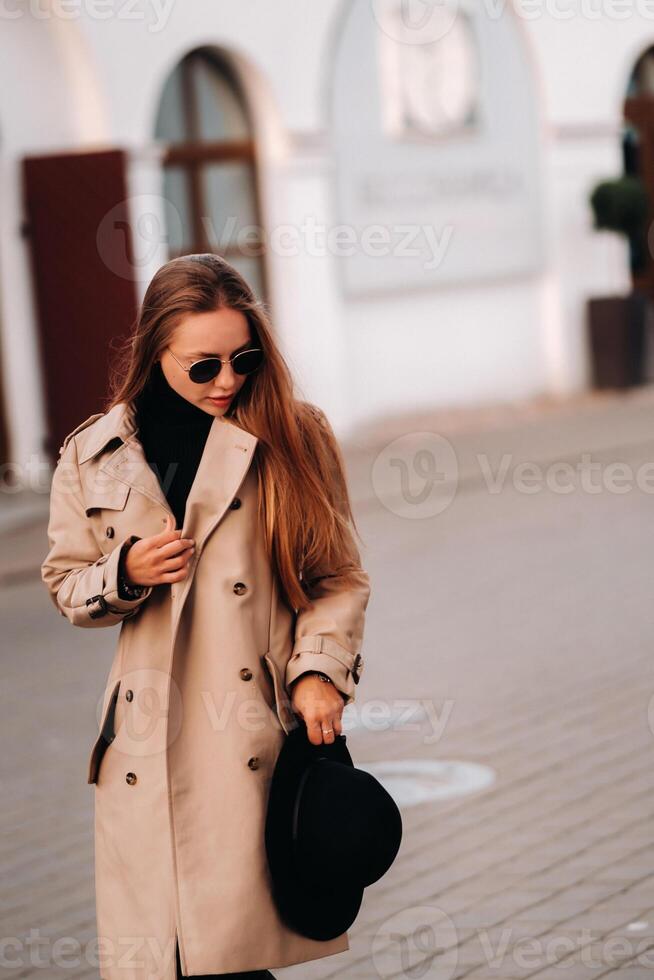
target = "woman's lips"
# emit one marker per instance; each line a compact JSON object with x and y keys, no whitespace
{"x":221,"y":401}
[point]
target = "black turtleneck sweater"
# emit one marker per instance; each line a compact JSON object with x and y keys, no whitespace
{"x":173,"y":433}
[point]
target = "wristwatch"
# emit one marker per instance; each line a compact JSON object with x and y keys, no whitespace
{"x":323,"y":677}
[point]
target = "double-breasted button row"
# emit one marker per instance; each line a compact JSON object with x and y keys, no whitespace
{"x":239,"y":588}
{"x":253,"y":761}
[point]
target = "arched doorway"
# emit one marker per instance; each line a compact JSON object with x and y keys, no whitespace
{"x":210,"y":166}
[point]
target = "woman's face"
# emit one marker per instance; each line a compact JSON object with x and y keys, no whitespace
{"x":219,"y":333}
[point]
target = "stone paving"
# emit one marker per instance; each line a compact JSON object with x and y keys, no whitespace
{"x":519,"y":621}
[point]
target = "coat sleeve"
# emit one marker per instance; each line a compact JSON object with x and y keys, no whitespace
{"x":81,"y":581}
{"x":329,"y":632}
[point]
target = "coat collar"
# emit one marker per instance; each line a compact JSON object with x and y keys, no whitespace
{"x":119,"y":422}
{"x":226,"y":458}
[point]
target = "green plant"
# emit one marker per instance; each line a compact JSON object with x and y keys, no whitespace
{"x":622,"y":205}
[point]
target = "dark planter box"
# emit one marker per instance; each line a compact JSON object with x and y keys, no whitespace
{"x":616,"y":327}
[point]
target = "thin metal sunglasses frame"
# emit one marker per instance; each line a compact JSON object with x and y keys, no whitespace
{"x":229,"y":360}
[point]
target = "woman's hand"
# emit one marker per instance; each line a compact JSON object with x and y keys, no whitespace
{"x":321,"y":707}
{"x":160,"y":558}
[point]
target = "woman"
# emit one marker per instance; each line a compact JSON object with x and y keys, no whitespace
{"x":245,"y":618}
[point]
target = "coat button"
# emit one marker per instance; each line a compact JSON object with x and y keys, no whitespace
{"x":246,"y":674}
{"x":235,"y":504}
{"x":129,"y":695}
{"x":240,"y":588}
{"x":130,"y":778}
{"x":253,"y":763}
{"x":110,"y":532}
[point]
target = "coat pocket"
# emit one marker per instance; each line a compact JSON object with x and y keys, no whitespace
{"x":105,"y":738}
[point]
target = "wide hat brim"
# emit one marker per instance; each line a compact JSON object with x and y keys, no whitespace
{"x":322,"y":909}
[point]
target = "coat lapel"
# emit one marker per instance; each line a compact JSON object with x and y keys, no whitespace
{"x":228,"y":453}
{"x":226,"y":459}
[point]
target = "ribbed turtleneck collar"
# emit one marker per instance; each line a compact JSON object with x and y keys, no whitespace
{"x":161,"y":402}
{"x":173,"y":433}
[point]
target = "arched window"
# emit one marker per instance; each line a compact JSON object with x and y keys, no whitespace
{"x":641,"y":80}
{"x":210,"y":171}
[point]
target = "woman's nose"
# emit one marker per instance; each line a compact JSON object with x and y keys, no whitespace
{"x":226,"y":380}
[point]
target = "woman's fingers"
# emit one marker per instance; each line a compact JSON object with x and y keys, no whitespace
{"x":177,"y":561}
{"x":328,"y":734}
{"x":172,"y":548}
{"x":316,"y":733}
{"x":324,"y":730}
{"x":174,"y":569}
{"x":161,"y":558}
{"x":320,"y":706}
{"x":173,"y":559}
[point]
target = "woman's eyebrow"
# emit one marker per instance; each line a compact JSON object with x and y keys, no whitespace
{"x":204,"y":353}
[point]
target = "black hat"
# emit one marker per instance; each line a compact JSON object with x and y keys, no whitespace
{"x":331,"y":830}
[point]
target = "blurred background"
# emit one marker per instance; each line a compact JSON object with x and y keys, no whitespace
{"x":447,"y":207}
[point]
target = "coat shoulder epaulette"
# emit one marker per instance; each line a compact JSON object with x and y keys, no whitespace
{"x":82,"y":425}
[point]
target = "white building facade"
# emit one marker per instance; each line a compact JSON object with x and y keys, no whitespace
{"x":418,"y":174}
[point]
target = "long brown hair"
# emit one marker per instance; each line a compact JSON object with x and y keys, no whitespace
{"x":302,"y":491}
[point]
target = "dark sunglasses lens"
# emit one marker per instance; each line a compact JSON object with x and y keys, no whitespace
{"x":248,"y":361}
{"x":204,"y":371}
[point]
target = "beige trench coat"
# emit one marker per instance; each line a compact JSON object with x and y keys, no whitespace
{"x":196,"y":703}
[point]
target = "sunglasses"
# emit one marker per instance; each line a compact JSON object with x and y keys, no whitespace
{"x":245,"y":362}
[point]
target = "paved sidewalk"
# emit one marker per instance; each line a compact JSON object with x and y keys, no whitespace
{"x":518,"y":621}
